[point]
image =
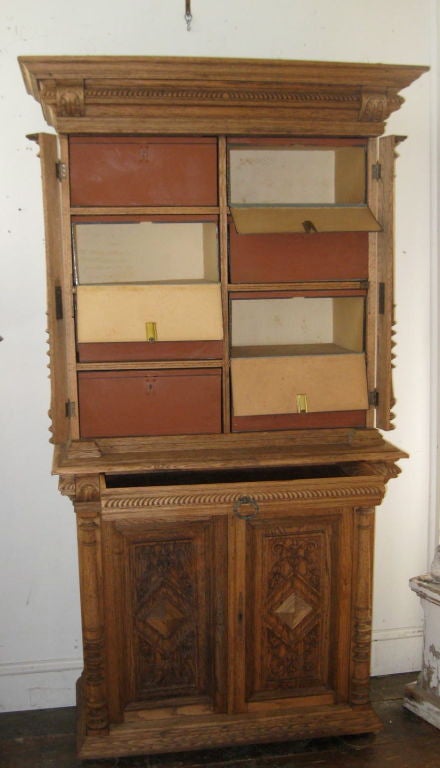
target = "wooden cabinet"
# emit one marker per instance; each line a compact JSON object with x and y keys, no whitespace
{"x":220,"y":300}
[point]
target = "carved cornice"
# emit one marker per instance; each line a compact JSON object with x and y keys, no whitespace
{"x":143,"y":94}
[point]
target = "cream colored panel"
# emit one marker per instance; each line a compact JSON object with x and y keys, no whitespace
{"x":270,"y":385}
{"x":146,"y":252}
{"x":282,"y":321}
{"x":348,"y":322}
{"x":344,"y":218}
{"x":350,"y":175}
{"x":282,"y":176}
{"x":119,"y":312}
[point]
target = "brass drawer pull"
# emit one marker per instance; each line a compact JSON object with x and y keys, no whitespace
{"x":240,"y":503}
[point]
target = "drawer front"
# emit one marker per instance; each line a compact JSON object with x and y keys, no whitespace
{"x":270,"y":385}
{"x":134,"y":403}
{"x":119,"y":313}
{"x":142,"y":171}
{"x":273,"y":258}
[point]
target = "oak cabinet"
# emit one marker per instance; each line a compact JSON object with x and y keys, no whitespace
{"x":219,"y":238}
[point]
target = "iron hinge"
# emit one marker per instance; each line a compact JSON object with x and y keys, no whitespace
{"x":376,"y":171}
{"x":70,"y":409}
{"x":373,"y":398}
{"x":60,"y":170}
{"x":58,"y":303}
{"x":381,"y":299}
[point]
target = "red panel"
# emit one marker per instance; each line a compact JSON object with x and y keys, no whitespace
{"x":143,"y":350}
{"x":299,"y":421}
{"x":134,"y":403}
{"x":143,"y":171}
{"x":276,"y":258}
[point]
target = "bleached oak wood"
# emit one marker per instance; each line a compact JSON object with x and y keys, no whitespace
{"x":225,"y":578}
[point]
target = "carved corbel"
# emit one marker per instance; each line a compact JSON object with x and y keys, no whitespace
{"x":70,"y":98}
{"x":377,"y":107}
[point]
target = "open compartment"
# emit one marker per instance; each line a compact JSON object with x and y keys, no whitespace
{"x":140,"y":250}
{"x":298,"y":362}
{"x":143,"y":170}
{"x":290,"y":324}
{"x":143,"y":280}
{"x":156,"y":402}
{"x":299,"y":188}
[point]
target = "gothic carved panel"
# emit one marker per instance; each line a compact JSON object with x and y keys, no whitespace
{"x":290,"y":567}
{"x":166,"y":602}
{"x":165,"y":616}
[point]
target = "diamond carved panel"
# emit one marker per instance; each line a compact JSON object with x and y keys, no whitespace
{"x":293,"y":610}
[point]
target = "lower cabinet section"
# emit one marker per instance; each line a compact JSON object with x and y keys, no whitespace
{"x":225,"y":613}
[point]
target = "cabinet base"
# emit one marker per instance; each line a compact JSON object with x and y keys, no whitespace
{"x":205,"y":732}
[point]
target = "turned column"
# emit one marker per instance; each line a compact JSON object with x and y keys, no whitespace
{"x":88,"y":508}
{"x":362,"y":606}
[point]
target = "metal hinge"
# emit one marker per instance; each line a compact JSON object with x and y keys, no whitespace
{"x":58,"y":303}
{"x":376,"y":171}
{"x":70,"y":409}
{"x":373,"y":398}
{"x":381,"y":299}
{"x":60,"y":170}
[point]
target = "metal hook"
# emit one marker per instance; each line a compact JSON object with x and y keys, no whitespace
{"x":188,"y":15}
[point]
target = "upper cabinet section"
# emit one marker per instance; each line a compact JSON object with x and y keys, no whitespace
{"x":299,"y":188}
{"x":134,"y":95}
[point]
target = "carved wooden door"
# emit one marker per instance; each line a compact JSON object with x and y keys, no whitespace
{"x":164,"y":595}
{"x":294,"y":607}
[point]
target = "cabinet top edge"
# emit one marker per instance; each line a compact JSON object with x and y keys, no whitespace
{"x":312,"y":447}
{"x":186,"y":68}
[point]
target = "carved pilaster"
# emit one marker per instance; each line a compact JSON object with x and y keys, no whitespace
{"x":362,"y":608}
{"x":87,"y":507}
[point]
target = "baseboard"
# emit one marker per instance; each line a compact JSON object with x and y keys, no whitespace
{"x":40,"y":684}
{"x":397,"y":650}
{"x":51,"y":682}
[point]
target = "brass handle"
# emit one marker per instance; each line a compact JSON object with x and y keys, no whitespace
{"x":240,"y":503}
{"x":151,"y":331}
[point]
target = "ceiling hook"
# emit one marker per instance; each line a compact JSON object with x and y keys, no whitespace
{"x":188,"y":15}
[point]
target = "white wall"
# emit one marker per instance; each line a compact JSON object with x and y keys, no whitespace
{"x":39,"y":608}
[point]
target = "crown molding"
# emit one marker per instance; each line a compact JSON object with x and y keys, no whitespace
{"x":205,"y":95}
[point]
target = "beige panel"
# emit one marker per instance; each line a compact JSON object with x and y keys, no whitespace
{"x":350,"y":175}
{"x":270,"y":385}
{"x":146,"y":251}
{"x":282,"y":176}
{"x":348,"y":322}
{"x":210,"y":252}
{"x":348,"y":218}
{"x":295,"y":320}
{"x":119,"y":312}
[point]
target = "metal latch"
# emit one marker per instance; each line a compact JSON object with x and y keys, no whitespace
{"x":70,"y":409}
{"x":58,"y":303}
{"x":376,"y":171}
{"x":373,"y":398}
{"x":60,"y":170}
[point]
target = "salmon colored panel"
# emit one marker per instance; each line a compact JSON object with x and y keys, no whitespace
{"x":143,"y":350}
{"x":276,"y":258}
{"x":141,"y":171}
{"x":135,"y":403}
